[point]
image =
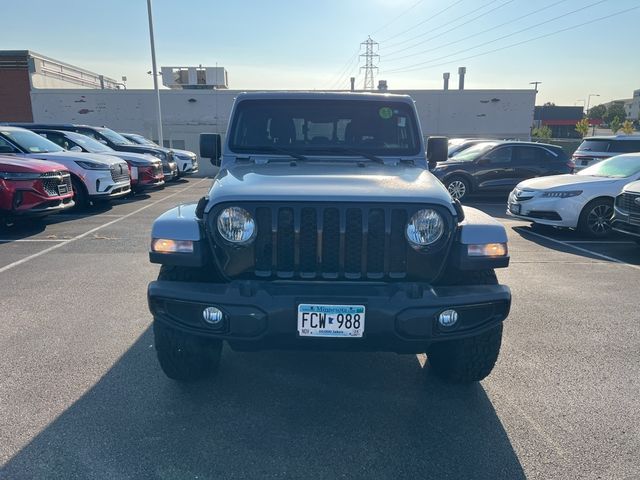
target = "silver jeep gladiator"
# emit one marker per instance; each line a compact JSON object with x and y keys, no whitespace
{"x":324,"y":229}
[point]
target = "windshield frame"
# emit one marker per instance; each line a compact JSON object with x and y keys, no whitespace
{"x":399,"y":108}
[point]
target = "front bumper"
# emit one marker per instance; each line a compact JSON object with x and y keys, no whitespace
{"x":100,"y":185}
{"x":557,"y":212}
{"x":170,"y":171}
{"x":401,"y":317}
{"x":625,"y":223}
{"x":187,"y":166}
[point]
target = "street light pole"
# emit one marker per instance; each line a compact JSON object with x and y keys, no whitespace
{"x":154,"y":72}
{"x":589,"y":100}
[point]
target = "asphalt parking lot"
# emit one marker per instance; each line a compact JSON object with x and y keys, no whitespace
{"x":82,"y":396}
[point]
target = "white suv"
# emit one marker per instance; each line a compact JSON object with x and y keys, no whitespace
{"x":595,"y":149}
{"x":93,"y":176}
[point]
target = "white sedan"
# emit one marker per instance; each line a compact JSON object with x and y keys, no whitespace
{"x":583,"y":201}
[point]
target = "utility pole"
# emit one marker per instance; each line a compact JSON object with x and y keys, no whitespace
{"x":154,"y":73}
{"x":535,"y":89}
{"x":370,"y":49}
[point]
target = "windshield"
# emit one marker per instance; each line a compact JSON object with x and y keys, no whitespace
{"x":328,"y":127}
{"x":115,"y":137}
{"x":622,"y":166}
{"x":140,"y":140}
{"x":31,"y":142}
{"x":474,"y":152}
{"x":594,"y":146}
{"x":88,"y":143}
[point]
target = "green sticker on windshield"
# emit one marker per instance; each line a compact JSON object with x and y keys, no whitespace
{"x":385,"y":113}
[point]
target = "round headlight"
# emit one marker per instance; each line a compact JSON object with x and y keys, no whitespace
{"x":236,"y":225}
{"x":425,"y":228}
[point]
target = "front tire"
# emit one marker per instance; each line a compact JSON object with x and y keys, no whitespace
{"x":182,"y":356}
{"x":595,"y":218}
{"x":470,"y":359}
{"x":458,"y":188}
{"x":80,"y":195}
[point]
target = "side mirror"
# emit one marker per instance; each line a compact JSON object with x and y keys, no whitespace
{"x":104,"y":142}
{"x":75,"y":148}
{"x":211,"y":147}
{"x":437,"y":150}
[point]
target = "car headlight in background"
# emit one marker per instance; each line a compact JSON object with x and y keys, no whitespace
{"x":19,"y":176}
{"x":424,"y":228}
{"x":92,"y":165}
{"x":564,"y":194}
{"x":236,"y":225}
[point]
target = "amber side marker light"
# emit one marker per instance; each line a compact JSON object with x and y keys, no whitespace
{"x":165,"y":245}
{"x":487,"y":250}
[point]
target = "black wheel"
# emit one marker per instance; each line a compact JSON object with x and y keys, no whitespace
{"x":184,"y":357}
{"x":595,"y":218}
{"x":80,"y":195}
{"x":458,"y":187}
{"x":470,"y":359}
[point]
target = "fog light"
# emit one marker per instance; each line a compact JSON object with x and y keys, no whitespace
{"x":212,"y":315}
{"x":448,"y":318}
{"x":165,"y":245}
{"x":487,"y":250}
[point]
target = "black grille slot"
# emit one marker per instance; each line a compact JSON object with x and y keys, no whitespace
{"x":375,"y":243}
{"x":308,"y":241}
{"x":286,"y":242}
{"x":263,"y":245}
{"x":627,"y":203}
{"x":397,"y":244}
{"x":353,"y":243}
{"x":331,"y":242}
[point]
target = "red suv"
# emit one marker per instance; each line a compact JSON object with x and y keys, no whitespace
{"x":33,"y":187}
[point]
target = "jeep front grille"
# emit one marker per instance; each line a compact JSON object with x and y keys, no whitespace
{"x":51,"y":181}
{"x":626,"y":202}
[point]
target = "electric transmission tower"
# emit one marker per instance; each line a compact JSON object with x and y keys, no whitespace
{"x":370,"y":55}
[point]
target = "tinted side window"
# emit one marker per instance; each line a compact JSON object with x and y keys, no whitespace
{"x":499,"y":155}
{"x":6,"y":147}
{"x":529,"y":155}
{"x":625,"y":146}
{"x":55,"y":138}
{"x":89,"y":133}
{"x":594,"y":146}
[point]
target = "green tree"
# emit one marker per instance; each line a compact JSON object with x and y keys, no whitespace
{"x":582,"y":127}
{"x":597,"y":112}
{"x":627,"y":127}
{"x":615,"y":124}
{"x":615,"y":110}
{"x":542,"y":133}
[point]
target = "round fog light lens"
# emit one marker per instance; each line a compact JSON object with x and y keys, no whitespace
{"x":448,"y":318}
{"x":212,"y":315}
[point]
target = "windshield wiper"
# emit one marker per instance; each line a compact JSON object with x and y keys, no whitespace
{"x":284,"y":151}
{"x":368,"y":156}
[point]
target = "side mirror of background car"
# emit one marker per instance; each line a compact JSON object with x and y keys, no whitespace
{"x":75,"y":148}
{"x":211,"y":147}
{"x":437,"y":150}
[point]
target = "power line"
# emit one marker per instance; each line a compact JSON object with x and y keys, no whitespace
{"x":573,"y":27}
{"x":345,"y":69}
{"x":431,"y":30}
{"x":397,"y":17}
{"x":423,"y":21}
{"x":478,"y":33}
{"x":499,"y":38}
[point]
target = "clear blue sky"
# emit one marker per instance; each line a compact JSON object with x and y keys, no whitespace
{"x":308,"y":44}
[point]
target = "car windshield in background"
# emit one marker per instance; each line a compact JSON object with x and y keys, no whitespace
{"x":142,"y":140}
{"x":594,"y":146}
{"x":472,"y":153}
{"x":31,"y":142}
{"x":115,"y":137}
{"x":325,"y":127}
{"x":88,"y":143}
{"x":622,"y":166}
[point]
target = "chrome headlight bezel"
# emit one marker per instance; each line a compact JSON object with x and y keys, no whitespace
{"x":425,"y":218}
{"x":236,"y":219}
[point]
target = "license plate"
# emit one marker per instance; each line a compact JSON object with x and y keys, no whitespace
{"x":62,"y":189}
{"x":514,"y":208}
{"x":331,"y":320}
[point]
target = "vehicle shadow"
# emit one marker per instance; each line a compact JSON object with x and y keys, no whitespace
{"x":273,"y":414}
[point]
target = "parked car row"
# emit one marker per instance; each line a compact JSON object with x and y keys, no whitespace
{"x":48,"y":168}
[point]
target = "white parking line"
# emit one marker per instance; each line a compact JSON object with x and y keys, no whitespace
{"x":583,"y":250}
{"x":89,"y":232}
{"x":11,"y":240}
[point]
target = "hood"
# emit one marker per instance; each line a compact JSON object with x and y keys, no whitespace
{"x":136,"y":159}
{"x":19,"y":165}
{"x":567,"y":180}
{"x":183,"y":153}
{"x":64,"y":157}
{"x":141,"y":149}
{"x":633,"y":187}
{"x":329,"y":182}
